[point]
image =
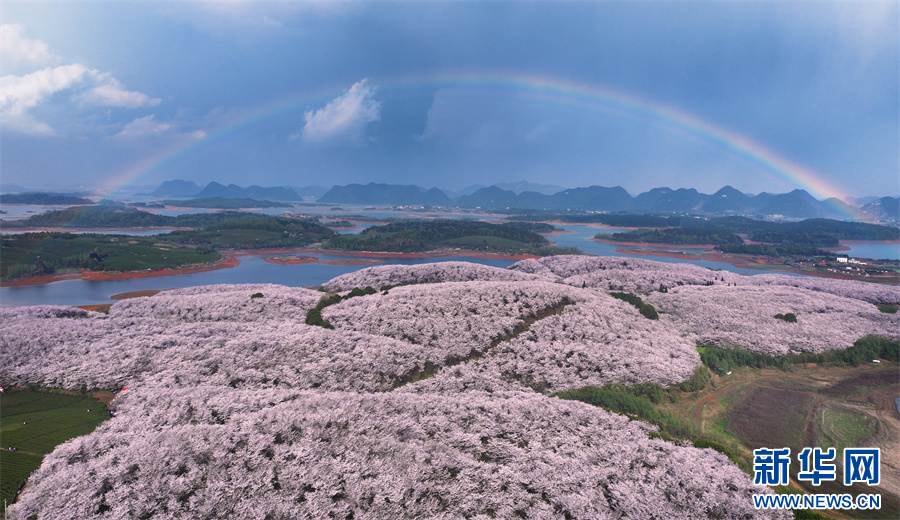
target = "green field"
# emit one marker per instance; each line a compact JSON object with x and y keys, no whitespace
{"x":66,"y":251}
{"x":262,"y":232}
{"x":824,"y":406}
{"x":420,"y":235}
{"x":798,"y":405}
{"x":34,"y":423}
{"x":60,"y":251}
{"x":843,"y":428}
{"x":484,"y":242}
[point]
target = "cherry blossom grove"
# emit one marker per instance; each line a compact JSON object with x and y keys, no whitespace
{"x":427,"y":400}
{"x":644,"y":276}
{"x":382,"y":275}
{"x":282,"y":454}
{"x":745,"y":316}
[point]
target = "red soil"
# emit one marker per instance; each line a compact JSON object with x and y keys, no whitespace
{"x":291,"y":259}
{"x":96,"y":308}
{"x":845,"y":244}
{"x":136,"y":294}
{"x":231,"y":260}
{"x":95,"y":230}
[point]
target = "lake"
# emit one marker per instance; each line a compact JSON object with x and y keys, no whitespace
{"x":254,"y":269}
{"x":874,"y":250}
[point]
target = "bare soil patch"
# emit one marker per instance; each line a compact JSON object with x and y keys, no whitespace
{"x":771,"y":418}
{"x":291,"y":259}
{"x":136,"y":294}
{"x":863,"y":383}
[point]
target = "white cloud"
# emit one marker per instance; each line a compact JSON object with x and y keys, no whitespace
{"x":144,"y":126}
{"x":345,"y":118}
{"x":15,"y":49}
{"x":148,"y":126}
{"x":111,"y":93}
{"x":19,"y":94}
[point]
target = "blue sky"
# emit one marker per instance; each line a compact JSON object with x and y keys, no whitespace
{"x":763,"y":96}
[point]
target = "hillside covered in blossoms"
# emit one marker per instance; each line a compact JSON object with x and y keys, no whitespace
{"x":425,"y":391}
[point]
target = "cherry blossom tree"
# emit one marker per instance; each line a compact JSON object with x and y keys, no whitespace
{"x":288,"y":454}
{"x":428,"y":401}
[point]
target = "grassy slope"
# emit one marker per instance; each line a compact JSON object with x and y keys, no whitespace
{"x":35,"y":423}
{"x":812,"y":406}
{"x":133,"y":253}
{"x":419,"y":236}
{"x":63,"y":251}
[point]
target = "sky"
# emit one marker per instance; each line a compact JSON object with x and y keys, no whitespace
{"x":762,"y":96}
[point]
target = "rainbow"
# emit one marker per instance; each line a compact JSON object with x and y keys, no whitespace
{"x":667,"y":118}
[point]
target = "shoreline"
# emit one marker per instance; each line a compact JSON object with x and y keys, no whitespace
{"x":303,"y":259}
{"x":845,"y":244}
{"x":227,"y":261}
{"x":98,"y":231}
{"x":231,"y":259}
{"x":591,"y":224}
{"x":750,"y":262}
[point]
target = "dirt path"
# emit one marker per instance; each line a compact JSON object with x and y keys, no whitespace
{"x":888,"y":430}
{"x":697,"y":409}
{"x":888,"y":435}
{"x":883,"y":410}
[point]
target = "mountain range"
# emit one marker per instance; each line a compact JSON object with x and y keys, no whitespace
{"x":394,"y":194}
{"x":189,"y":189}
{"x":726,"y":201}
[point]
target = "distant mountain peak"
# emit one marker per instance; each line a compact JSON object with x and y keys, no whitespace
{"x":390,"y":194}
{"x":520,"y":187}
{"x":176,"y":188}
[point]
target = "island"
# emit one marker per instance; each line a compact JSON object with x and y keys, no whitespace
{"x":215,"y":240}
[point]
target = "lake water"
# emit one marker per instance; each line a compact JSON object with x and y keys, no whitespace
{"x":252,"y":269}
{"x":255,"y":270}
{"x":25,"y":210}
{"x":872,"y":250}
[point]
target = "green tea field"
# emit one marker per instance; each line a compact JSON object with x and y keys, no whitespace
{"x":32,"y":424}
